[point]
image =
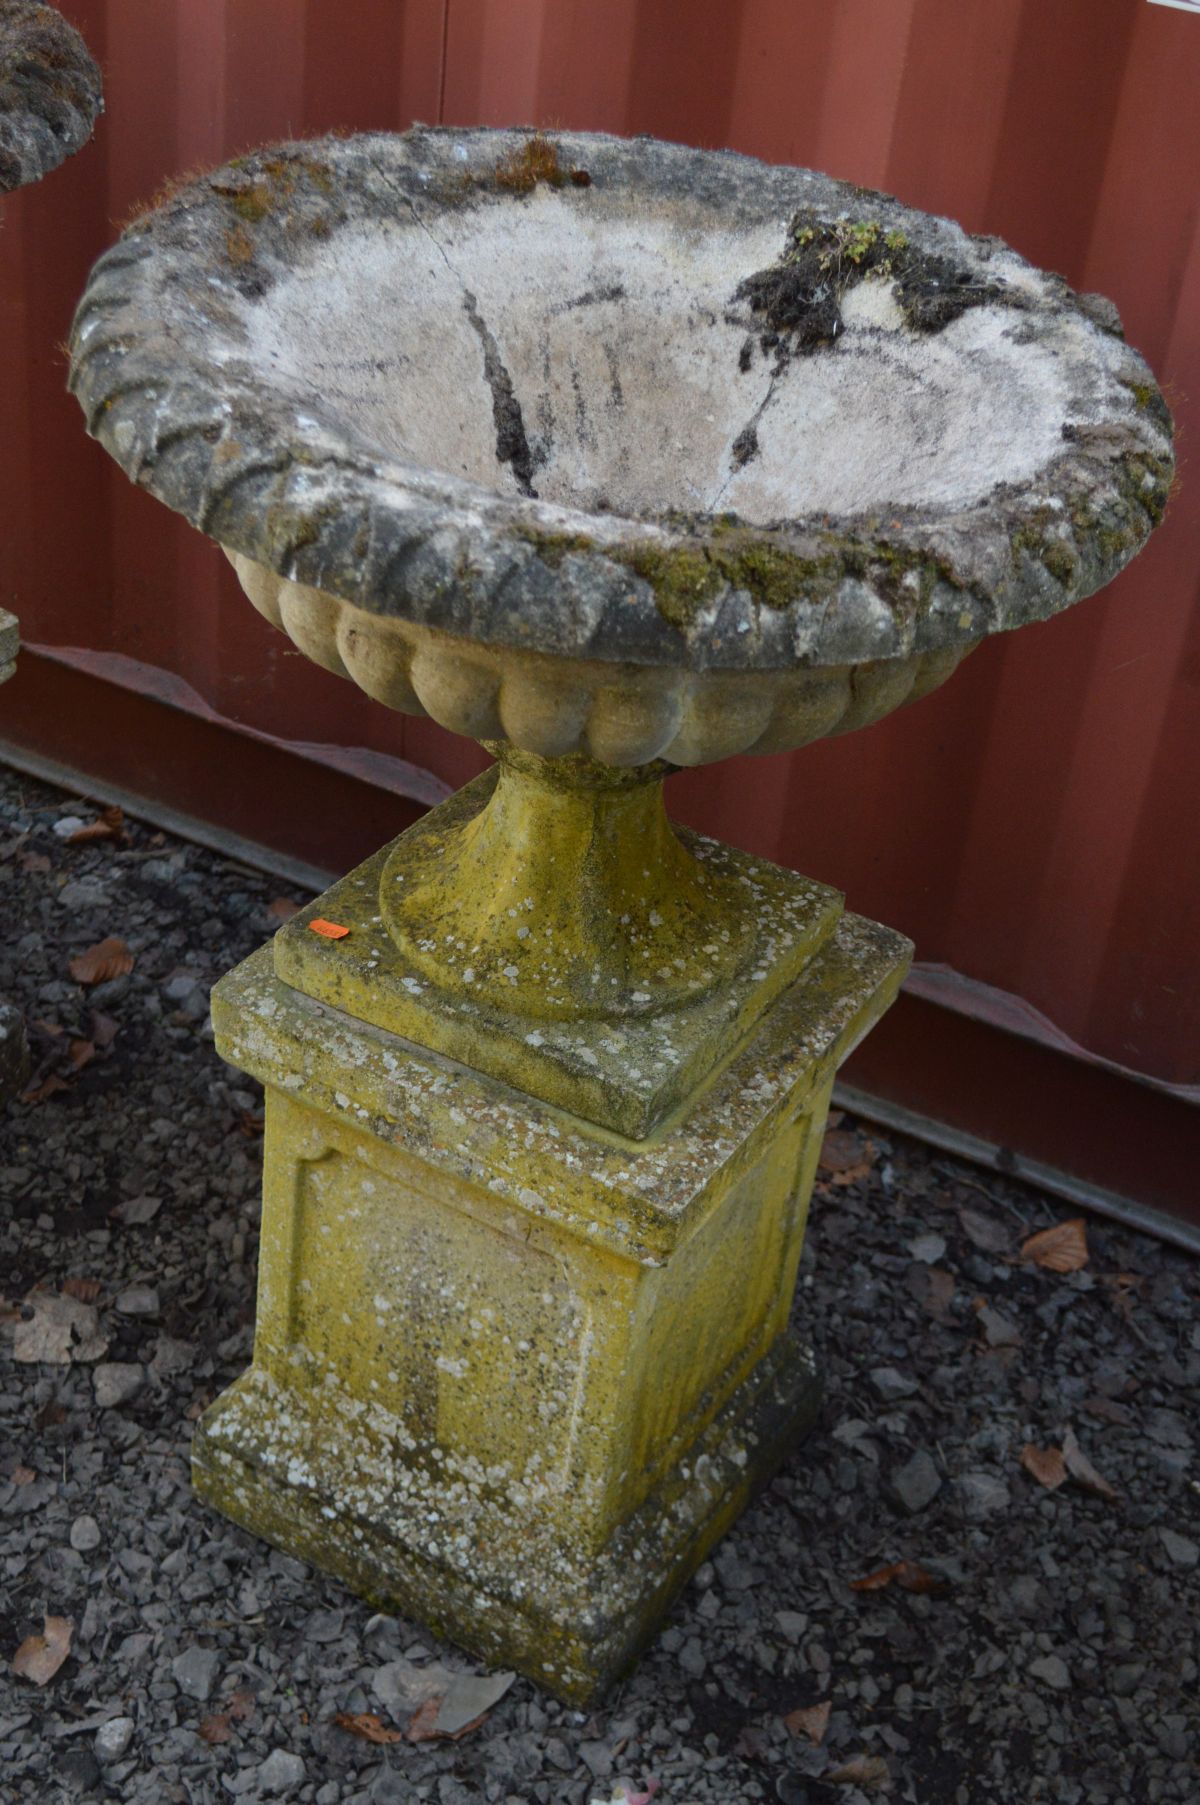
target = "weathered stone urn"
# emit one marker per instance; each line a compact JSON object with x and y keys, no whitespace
{"x":50,"y":98}
{"x":616,"y":456}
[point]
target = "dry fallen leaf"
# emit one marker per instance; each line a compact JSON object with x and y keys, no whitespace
{"x":282,"y":909}
{"x":1062,"y":1248}
{"x":23,"y":1475}
{"x":1124,"y":1289}
{"x":49,"y":1086}
{"x":1046,"y":1465}
{"x":868,"y":1771}
{"x":216,"y":1728}
{"x":934,"y":1291}
{"x":86,"y":1290}
{"x":109,"y":958}
{"x":33,"y":861}
{"x":811,"y":1721}
{"x":366,"y":1725}
{"x":1081,"y":1469}
{"x":61,"y":1329}
{"x":108,"y":825}
{"x":40,"y":1657}
{"x":845,"y":1156}
{"x":906,"y":1574}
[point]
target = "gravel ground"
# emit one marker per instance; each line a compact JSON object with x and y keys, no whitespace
{"x":1055,"y":1659}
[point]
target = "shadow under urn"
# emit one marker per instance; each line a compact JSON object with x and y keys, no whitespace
{"x":616,"y":456}
{"x":50,"y":98}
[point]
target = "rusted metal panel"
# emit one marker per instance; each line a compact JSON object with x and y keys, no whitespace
{"x":1032,"y":825}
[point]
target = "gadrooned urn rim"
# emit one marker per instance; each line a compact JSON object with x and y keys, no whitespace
{"x":212,"y":437}
{"x":50,"y":92}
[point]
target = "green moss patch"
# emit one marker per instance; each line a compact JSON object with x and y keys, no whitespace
{"x":799,"y":297}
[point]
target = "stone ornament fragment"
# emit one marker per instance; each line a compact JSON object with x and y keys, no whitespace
{"x":50,"y":92}
{"x":617,"y":456}
{"x":50,"y":98}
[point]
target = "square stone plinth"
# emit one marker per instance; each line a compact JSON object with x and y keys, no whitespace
{"x":514,"y":1374}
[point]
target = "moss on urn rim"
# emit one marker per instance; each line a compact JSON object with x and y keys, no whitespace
{"x":700,"y":590}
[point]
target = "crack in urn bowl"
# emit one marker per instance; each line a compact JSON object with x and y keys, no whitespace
{"x":50,"y":92}
{"x":615,"y":446}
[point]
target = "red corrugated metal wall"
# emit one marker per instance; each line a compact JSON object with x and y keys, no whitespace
{"x":1033,"y":824}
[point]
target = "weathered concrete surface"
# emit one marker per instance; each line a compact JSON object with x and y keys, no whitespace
{"x":621,"y":401}
{"x":582,"y":966}
{"x":512,"y":1373}
{"x":50,"y":92}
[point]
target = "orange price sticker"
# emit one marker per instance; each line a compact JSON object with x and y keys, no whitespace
{"x":328,"y":930}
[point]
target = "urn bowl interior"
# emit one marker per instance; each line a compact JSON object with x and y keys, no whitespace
{"x":600,"y":357}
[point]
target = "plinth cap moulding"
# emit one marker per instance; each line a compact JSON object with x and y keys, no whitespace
{"x":50,"y":95}
{"x":620,"y":400}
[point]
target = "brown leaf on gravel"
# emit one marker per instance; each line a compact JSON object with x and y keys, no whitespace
{"x":1081,"y":1469}
{"x":368,"y":1727}
{"x":282,"y":909}
{"x":1062,"y":1248}
{"x":1124,"y":1290}
{"x":846,"y":1156}
{"x":216,"y":1728}
{"x":984,"y":1232}
{"x":80,"y":1052}
{"x":934,"y":1291}
{"x":871,"y":1772}
{"x":906,"y":1574}
{"x":811,"y":1721}
{"x":109,"y":958}
{"x":40,"y":1657}
{"x":422,"y":1725}
{"x":1046,"y":1465}
{"x":86,"y":1290}
{"x":50,"y":1085}
{"x":108,"y":825}
{"x":241,"y":1704}
{"x":33,"y":862}
{"x":23,"y":1475}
